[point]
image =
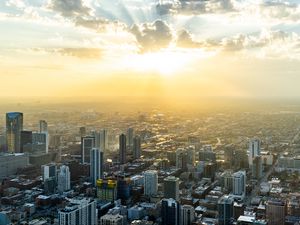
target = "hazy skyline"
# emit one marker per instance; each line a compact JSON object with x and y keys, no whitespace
{"x":63,"y":48}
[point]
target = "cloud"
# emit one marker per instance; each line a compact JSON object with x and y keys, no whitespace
{"x":98,"y":24}
{"x":185,"y":40}
{"x":196,"y":6}
{"x":152,"y":36}
{"x":69,"y":8}
{"x":78,"y":52}
{"x":265,"y":38}
{"x":16,"y":3}
{"x":81,"y":52}
{"x":279,"y":10}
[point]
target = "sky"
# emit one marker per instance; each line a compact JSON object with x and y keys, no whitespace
{"x":170,"y":48}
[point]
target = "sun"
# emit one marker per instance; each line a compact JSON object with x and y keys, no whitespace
{"x":164,"y":62}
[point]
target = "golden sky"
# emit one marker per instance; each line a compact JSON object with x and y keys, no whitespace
{"x":172,"y":48}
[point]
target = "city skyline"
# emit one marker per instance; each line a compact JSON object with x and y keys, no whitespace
{"x":59,"y":48}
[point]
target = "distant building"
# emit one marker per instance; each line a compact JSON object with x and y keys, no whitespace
{"x":151,"y":181}
{"x":187,"y":215}
{"x":129,"y":137}
{"x":170,"y":212}
{"x":136,"y":147}
{"x":43,"y":125}
{"x":103,"y":140}
{"x":49,"y":173}
{"x":275,"y":212}
{"x":96,"y":165}
{"x":63,"y":179}
{"x":82,"y":131}
{"x":227,"y":180}
{"x":49,"y":170}
{"x":79,"y":211}
{"x":181,"y":159}
{"x":14,"y":126}
{"x":225,"y":210}
{"x":171,"y":187}
{"x":123,"y":189}
{"x":9,"y":163}
{"x":26,"y":141}
{"x":191,"y":155}
{"x":50,"y":185}
{"x":122,"y":149}
{"x":113,"y":219}
{"x":239,"y":183}
{"x":87,"y":143}
{"x":254,"y":150}
{"x":207,"y":154}
{"x":40,"y":143}
{"x":257,"y":167}
{"x":107,"y":190}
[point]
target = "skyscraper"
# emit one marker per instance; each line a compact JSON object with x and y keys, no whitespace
{"x":136,"y":147}
{"x":63,"y":179}
{"x":43,"y":125}
{"x":207,"y":154}
{"x":276,"y":212}
{"x":26,"y":141}
{"x":96,"y":165}
{"x":225,"y":209}
{"x":130,"y":133}
{"x":171,"y":187}
{"x":257,"y":167}
{"x":49,"y":171}
{"x":191,"y":155}
{"x":80,"y":211}
{"x":122,"y":149}
{"x":150,"y":182}
{"x":181,"y":159}
{"x":87,"y":143}
{"x":107,"y":190}
{"x":239,"y":183}
{"x":82,"y":131}
{"x":14,"y":126}
{"x":39,"y":142}
{"x":187,"y":215}
{"x":254,"y":150}
{"x":103,"y":140}
{"x":170,"y":212}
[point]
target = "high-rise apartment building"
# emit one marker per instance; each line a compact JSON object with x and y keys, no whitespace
{"x":122,"y":149}
{"x":87,"y":143}
{"x":63,"y":179}
{"x":96,"y":165}
{"x":170,"y":212}
{"x":171,"y":187}
{"x":14,"y":126}
{"x":79,"y":211}
{"x":150,"y":182}
{"x":136,"y":147}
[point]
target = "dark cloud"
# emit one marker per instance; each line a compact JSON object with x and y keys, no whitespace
{"x":154,"y":36}
{"x":69,"y":8}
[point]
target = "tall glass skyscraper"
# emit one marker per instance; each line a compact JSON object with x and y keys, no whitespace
{"x":14,"y":126}
{"x":122,"y":148}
